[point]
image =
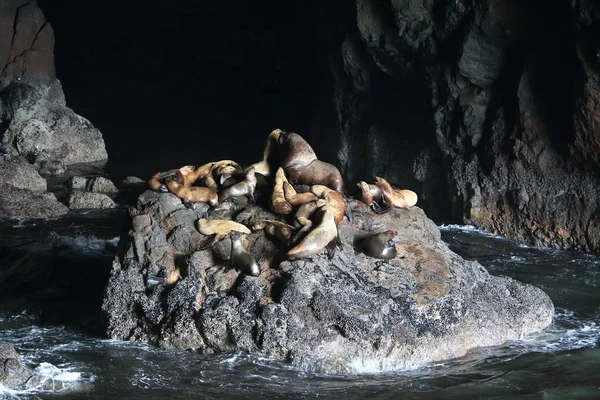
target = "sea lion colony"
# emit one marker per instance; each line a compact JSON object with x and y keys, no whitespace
{"x":308,"y":218}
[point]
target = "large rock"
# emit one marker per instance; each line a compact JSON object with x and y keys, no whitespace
{"x":352,"y":313}
{"x":23,"y":203}
{"x":13,"y":373}
{"x":24,"y":191}
{"x":474,"y":94}
{"x":41,"y":129}
{"x":79,"y":200}
{"x":17,"y":172}
{"x":34,"y":120}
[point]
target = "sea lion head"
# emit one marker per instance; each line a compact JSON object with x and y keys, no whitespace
{"x":275,"y":134}
{"x":177,"y":176}
{"x":250,"y":175}
{"x":282,"y":136}
{"x":363,"y":186}
{"x":227,"y":169}
{"x":187,"y":169}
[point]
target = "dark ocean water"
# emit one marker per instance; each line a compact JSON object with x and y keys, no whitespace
{"x":561,"y":362}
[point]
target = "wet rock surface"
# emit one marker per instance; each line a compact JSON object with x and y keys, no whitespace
{"x":349,"y":314}
{"x":79,"y":200}
{"x":13,"y":373}
{"x":23,"y":191}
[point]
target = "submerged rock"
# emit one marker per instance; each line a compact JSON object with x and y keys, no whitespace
{"x":352,"y":313}
{"x":90,"y":200}
{"x":97,"y":184}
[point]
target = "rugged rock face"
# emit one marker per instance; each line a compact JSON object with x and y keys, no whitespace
{"x":352,"y":313}
{"x":489,"y":109}
{"x":35,"y":122}
{"x":12,"y":372}
{"x":24,"y":191}
{"x":38,"y":132}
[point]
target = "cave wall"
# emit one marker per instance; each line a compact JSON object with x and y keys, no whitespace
{"x":488,"y":109}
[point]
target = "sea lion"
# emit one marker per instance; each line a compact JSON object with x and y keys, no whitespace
{"x":241,"y":258}
{"x":243,"y":188}
{"x":396,"y":197}
{"x":332,"y":208}
{"x":371,"y":195}
{"x":301,"y":165}
{"x":280,"y":230}
{"x":302,"y":220}
{"x":304,"y":212}
{"x":217,"y":229}
{"x":204,"y":172}
{"x":265,"y":166}
{"x":228,"y":175}
{"x":157,"y":182}
{"x":297,"y":199}
{"x":336,"y":201}
{"x":322,"y":236}
{"x":187,"y":175}
{"x":379,"y":245}
{"x":278,"y":203}
{"x":192,"y":194}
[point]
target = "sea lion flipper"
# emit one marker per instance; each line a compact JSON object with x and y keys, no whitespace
{"x":379,"y":209}
{"x":331,"y":247}
{"x":208,"y":242}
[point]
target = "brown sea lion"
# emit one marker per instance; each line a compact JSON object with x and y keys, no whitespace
{"x":336,"y":201}
{"x":204,"y":172}
{"x":371,"y":195}
{"x":241,"y":258}
{"x":192,"y":194}
{"x":157,"y":182}
{"x":280,"y":230}
{"x":301,"y":165}
{"x":297,"y":199}
{"x":243,"y":188}
{"x":302,"y":220}
{"x":278,"y":203}
{"x":323,"y":235}
{"x":379,"y":245}
{"x":217,"y":229}
{"x":305,"y":212}
{"x":265,"y":167}
{"x":396,"y":197}
{"x":187,"y":175}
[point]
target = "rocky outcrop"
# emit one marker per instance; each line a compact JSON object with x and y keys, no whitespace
{"x":24,"y":191}
{"x":348,"y":314}
{"x":488,"y":109}
{"x":85,"y":200}
{"x":13,"y":373}
{"x":97,"y":184}
{"x":38,"y":132}
{"x":35,"y":122}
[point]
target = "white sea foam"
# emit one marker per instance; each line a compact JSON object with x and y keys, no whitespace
{"x":54,"y":380}
{"x":467,"y":228}
{"x":89,"y":242}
